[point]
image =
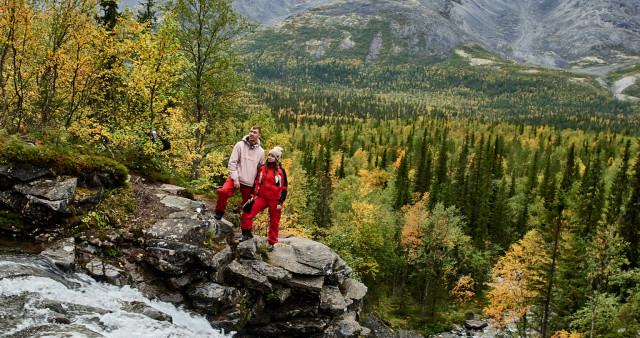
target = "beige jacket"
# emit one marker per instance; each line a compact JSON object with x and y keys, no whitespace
{"x":245,"y":160}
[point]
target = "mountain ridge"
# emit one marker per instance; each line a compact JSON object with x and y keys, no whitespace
{"x":547,"y":33}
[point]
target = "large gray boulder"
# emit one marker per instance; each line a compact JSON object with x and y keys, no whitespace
{"x":273,"y":273}
{"x":339,"y":273}
{"x":39,"y":201}
{"x":42,"y":199}
{"x":332,"y":300}
{"x":240,"y":274}
{"x":377,"y":327}
{"x":249,"y":249}
{"x":181,"y":203}
{"x":146,"y":310}
{"x":345,"y":325}
{"x":106,"y":272}
{"x":49,"y":189}
{"x":303,"y":256}
{"x":170,"y":257}
{"x":23,"y":175}
{"x":311,"y":253}
{"x":311,"y":284}
{"x":354,"y":291}
{"x":214,"y":298}
{"x":62,"y":253}
{"x":42,"y":209}
{"x":191,"y":231}
{"x":475,"y":325}
{"x":215,"y":260}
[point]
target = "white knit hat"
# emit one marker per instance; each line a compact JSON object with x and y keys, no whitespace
{"x":276,"y":152}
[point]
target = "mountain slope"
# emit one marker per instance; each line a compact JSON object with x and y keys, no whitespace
{"x":552,"y":33}
{"x":267,"y":12}
{"x":363,"y":29}
{"x":549,"y":33}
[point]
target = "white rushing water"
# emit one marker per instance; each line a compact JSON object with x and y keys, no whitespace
{"x":38,"y":300}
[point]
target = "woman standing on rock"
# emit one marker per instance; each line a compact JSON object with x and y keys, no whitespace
{"x":269,"y":191}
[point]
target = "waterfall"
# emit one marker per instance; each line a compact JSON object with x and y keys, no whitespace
{"x":39,"y":300}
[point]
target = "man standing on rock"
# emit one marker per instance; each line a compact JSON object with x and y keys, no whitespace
{"x":245,"y":159}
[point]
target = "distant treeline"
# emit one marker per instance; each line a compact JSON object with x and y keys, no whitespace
{"x":503,"y":92}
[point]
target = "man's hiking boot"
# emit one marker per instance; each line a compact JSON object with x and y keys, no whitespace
{"x":246,"y":235}
{"x":219,"y":215}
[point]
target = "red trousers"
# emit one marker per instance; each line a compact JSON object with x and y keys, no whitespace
{"x":274,"y":217}
{"x":226,"y":191}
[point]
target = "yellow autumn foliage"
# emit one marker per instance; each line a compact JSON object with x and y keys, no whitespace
{"x":511,"y":295}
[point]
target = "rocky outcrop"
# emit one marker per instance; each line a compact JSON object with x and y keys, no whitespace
{"x":299,"y":289}
{"x":41,"y":198}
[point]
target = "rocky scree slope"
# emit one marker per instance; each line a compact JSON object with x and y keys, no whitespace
{"x":552,"y":33}
{"x":548,"y":33}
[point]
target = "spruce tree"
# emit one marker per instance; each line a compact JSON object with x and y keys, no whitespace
{"x":322,"y":212}
{"x":337,"y":141}
{"x":423,"y":168}
{"x":591,"y":196}
{"x":552,"y":230}
{"x":532,"y":182}
{"x":630,"y":223}
{"x":110,"y":14}
{"x":498,"y":226}
{"x":460,"y":188}
{"x":147,"y":14}
{"x":439,"y":185}
{"x":403,"y":193}
{"x":569,"y":174}
{"x":549,"y":181}
{"x":619,"y":187}
{"x":341,"y":173}
{"x":383,"y":161}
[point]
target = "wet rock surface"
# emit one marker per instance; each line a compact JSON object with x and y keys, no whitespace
{"x":42,"y":199}
{"x":186,"y":257}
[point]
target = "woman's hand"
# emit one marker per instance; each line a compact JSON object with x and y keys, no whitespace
{"x":279,"y":207}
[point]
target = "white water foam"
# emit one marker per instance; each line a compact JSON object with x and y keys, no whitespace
{"x":96,"y":307}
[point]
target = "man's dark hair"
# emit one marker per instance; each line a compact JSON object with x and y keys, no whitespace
{"x":259,"y":129}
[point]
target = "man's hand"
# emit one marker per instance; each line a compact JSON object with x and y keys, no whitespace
{"x":236,"y":184}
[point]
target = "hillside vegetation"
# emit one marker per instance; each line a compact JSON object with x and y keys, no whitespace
{"x":472,"y":185}
{"x":453,"y":187}
{"x":472,"y":84}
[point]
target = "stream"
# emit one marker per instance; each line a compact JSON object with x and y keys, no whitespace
{"x":39,"y":300}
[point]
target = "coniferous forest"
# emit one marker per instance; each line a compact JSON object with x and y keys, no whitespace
{"x":454,"y":190}
{"x":497,"y":190}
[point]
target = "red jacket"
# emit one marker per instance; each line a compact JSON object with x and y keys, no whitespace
{"x":270,"y":185}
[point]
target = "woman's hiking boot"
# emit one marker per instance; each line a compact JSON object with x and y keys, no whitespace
{"x":246,"y":235}
{"x":218,"y":215}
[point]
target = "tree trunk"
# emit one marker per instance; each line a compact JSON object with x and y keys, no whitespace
{"x":552,"y":270}
{"x":423,"y":300}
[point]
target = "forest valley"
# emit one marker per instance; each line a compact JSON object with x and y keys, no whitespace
{"x":504,"y":191}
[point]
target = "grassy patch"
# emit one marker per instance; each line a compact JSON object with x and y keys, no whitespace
{"x":114,"y":211}
{"x":618,"y":73}
{"x":632,"y":90}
